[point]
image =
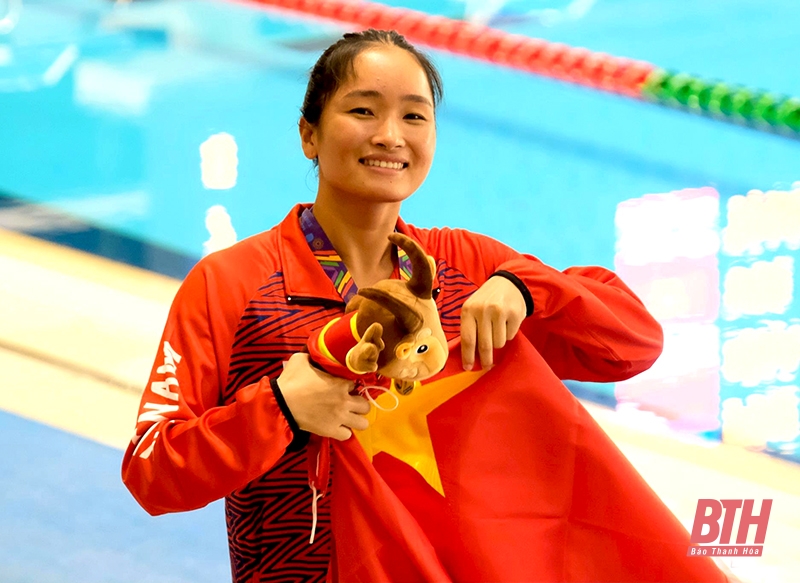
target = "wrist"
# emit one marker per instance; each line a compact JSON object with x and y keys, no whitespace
{"x":300,"y":437}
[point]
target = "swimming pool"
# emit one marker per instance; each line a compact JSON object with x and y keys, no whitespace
{"x":153,"y":132}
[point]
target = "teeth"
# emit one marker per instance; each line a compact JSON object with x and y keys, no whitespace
{"x":382,"y":164}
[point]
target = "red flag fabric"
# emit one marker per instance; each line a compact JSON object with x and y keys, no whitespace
{"x":534,"y":490}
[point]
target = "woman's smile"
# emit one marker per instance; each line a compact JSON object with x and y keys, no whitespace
{"x":384,"y":165}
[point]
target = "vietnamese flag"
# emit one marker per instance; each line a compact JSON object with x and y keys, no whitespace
{"x":498,"y":476}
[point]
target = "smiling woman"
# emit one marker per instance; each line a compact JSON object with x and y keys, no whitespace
{"x":233,"y":400}
{"x":373,"y":133}
{"x":376,"y":137}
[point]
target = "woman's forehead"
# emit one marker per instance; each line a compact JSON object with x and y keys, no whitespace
{"x":387,"y":70}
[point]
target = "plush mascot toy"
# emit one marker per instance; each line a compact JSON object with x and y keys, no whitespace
{"x":390,"y":335}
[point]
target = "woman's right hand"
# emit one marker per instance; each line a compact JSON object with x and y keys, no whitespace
{"x":321,"y":403}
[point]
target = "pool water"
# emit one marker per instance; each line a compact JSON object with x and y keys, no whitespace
{"x":153,"y":132}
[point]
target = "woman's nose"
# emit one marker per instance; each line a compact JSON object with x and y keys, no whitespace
{"x":389,"y":134}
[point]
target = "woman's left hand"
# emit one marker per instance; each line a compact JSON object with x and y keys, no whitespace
{"x":489,"y":318}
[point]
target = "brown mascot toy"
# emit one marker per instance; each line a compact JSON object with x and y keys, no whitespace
{"x":390,"y":334}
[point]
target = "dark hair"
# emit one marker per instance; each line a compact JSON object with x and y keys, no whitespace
{"x":336,"y":65}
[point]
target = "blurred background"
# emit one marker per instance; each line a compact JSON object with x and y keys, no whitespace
{"x":135,"y":137}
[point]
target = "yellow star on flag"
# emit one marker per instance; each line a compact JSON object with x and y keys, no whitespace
{"x":403,"y":432}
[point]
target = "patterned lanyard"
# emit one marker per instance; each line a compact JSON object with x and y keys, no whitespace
{"x":332,"y":263}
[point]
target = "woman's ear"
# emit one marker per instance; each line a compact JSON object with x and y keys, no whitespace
{"x":308,"y":138}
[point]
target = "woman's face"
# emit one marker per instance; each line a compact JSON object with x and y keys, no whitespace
{"x":376,"y":136}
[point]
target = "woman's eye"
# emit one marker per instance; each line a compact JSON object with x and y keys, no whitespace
{"x":415,"y":117}
{"x":361,"y":111}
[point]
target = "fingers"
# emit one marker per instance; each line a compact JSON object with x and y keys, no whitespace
{"x":352,"y":423}
{"x":512,"y":327}
{"x":504,"y":332}
{"x":356,"y":422}
{"x":468,"y":337}
{"x":479,"y":332}
{"x":350,"y":414}
{"x":351,"y":417}
{"x":319,"y":402}
{"x":485,"y":327}
{"x":359,"y":405}
{"x":499,"y":332}
{"x":486,"y":341}
{"x":342,"y":433}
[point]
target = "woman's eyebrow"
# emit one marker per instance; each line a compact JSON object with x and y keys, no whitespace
{"x":417,"y":99}
{"x":371,"y":93}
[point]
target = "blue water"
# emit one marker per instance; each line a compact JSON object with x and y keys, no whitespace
{"x":537,"y":163}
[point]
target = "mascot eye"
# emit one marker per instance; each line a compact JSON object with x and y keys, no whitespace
{"x":422,"y":349}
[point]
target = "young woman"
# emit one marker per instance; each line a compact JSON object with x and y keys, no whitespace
{"x":232,"y":398}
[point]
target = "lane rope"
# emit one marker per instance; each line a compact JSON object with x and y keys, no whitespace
{"x":760,"y":110}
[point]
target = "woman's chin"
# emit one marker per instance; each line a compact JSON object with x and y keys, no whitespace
{"x":385,"y":196}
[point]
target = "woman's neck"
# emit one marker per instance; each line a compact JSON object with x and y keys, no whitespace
{"x":359,"y":232}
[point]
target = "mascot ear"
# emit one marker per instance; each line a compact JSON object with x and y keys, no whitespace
{"x":363,"y":357}
{"x":403,"y":350}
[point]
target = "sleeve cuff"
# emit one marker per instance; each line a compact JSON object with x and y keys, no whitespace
{"x":300,"y":437}
{"x":526,"y":294}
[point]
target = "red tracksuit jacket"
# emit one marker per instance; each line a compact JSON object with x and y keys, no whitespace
{"x":210,"y":426}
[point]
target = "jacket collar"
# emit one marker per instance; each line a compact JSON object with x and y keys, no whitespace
{"x":303,"y":276}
